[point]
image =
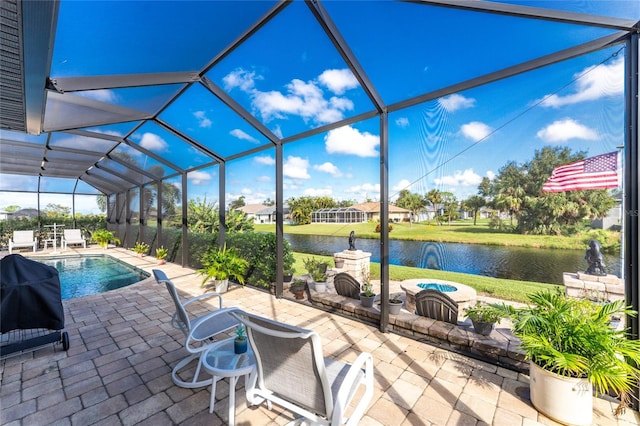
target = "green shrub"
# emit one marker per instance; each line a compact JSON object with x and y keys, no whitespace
{"x":259,"y":249}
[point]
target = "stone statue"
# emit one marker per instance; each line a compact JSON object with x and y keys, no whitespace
{"x":352,"y":240}
{"x":595,"y":259}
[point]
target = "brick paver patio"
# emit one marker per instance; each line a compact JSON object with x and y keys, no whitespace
{"x":117,"y":370}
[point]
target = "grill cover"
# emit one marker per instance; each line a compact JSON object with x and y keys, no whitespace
{"x":29,"y":295}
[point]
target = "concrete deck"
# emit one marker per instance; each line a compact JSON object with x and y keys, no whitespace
{"x":117,"y":370}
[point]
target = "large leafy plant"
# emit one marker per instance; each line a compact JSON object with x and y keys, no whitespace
{"x":222,"y":264}
{"x":573,"y":338}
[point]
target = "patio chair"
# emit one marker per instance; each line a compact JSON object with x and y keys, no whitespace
{"x":199,"y":332}
{"x":437,"y":305}
{"x":292,"y":373}
{"x":23,"y":239}
{"x":346,"y":285}
{"x":72,"y":236}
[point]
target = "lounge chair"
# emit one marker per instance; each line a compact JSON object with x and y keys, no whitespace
{"x":292,"y":372}
{"x":346,"y":285}
{"x":23,"y":239}
{"x":200,"y":332}
{"x":437,"y":305}
{"x":72,"y":236}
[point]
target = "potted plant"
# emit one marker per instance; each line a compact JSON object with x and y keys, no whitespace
{"x":287,"y":275}
{"x":317,"y":270}
{"x":104,"y":237}
{"x":161,"y":254}
{"x":141,"y":248}
{"x":395,"y":304}
{"x":297,"y":287}
{"x":240,"y":342}
{"x":483,"y":317}
{"x":571,"y":350}
{"x":219,"y":265}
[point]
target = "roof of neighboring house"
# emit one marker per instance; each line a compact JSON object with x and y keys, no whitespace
{"x":272,"y":210}
{"x":252,"y":208}
{"x":373,"y":207}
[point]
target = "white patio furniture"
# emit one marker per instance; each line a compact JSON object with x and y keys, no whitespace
{"x":200,"y":332}
{"x":72,"y":236}
{"x":292,"y":372}
{"x":23,"y":239}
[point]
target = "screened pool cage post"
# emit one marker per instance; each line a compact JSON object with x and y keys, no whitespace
{"x":185,"y":236}
{"x":222,"y":182}
{"x":384,"y":221}
{"x":631,"y":190}
{"x":279,"y":221}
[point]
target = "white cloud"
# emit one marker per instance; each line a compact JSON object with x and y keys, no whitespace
{"x":563,"y":130}
{"x":455,"y":102}
{"x":263,"y":179}
{"x":240,"y":78}
{"x":203,"y":121}
{"x":592,"y":83}
{"x":475,"y":130}
{"x":198,"y":177}
{"x":246,"y":191}
{"x":338,"y":81}
{"x":403,"y":184}
{"x":318,"y":192}
{"x":347,"y":140}
{"x":103,"y":95}
{"x":277,"y":131}
{"x":305,"y":99}
{"x":153,"y":142}
{"x":459,"y":178}
{"x":328,"y":168}
{"x":491,"y":174}
{"x":296,"y":168}
{"x":241,"y":134}
{"x":267,"y":160}
{"x":402,"y":122}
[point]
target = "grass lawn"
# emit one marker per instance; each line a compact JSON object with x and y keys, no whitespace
{"x":485,"y":286}
{"x":459,"y":232}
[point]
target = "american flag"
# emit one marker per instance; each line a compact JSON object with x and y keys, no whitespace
{"x":599,"y":172}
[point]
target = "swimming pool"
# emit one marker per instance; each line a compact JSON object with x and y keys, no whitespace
{"x":85,"y":275}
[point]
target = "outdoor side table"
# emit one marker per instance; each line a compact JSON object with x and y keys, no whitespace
{"x":221,"y":361}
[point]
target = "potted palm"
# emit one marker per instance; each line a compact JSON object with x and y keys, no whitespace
{"x":104,"y":237}
{"x":483,"y":317}
{"x":161,"y":254}
{"x":219,"y":265}
{"x":141,"y":248}
{"x":572,"y":351}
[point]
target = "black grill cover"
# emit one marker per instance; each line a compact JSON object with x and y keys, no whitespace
{"x":29,"y":295}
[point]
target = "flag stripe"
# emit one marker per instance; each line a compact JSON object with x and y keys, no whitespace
{"x":599,"y":172}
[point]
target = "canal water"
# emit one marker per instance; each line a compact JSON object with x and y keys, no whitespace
{"x":519,"y":263}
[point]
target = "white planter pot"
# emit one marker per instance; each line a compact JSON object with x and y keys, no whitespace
{"x":219,"y":286}
{"x":321,"y":287}
{"x":566,"y":400}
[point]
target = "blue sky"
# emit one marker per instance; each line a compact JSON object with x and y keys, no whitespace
{"x":291,"y":78}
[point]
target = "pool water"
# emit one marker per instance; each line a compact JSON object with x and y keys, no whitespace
{"x":86,"y":275}
{"x":444,"y":288}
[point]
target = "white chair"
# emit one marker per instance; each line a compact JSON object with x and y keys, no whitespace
{"x":72,"y":236}
{"x":200,"y":332}
{"x":292,"y":372}
{"x":23,"y":239}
